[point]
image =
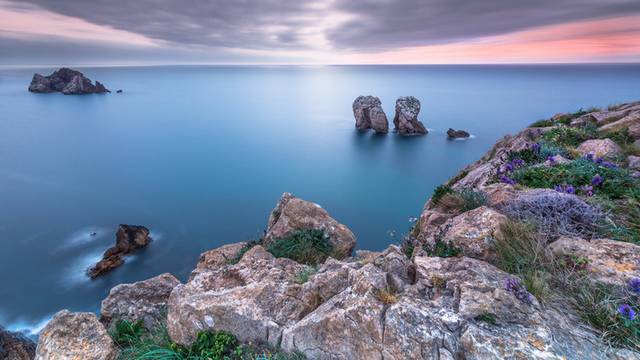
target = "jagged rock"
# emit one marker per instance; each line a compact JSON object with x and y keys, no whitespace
{"x":603,"y":148}
{"x":15,"y":346}
{"x":74,"y":336}
{"x":129,"y":238}
{"x":254,"y":299}
{"x":473,"y":232}
{"x":457,"y":134}
{"x":369,"y":114}
{"x":67,"y":81}
{"x":633,"y":162}
{"x":292,"y":213}
{"x":609,"y":261}
{"x":406,"y":119}
{"x":144,"y":300}
{"x":218,"y":257}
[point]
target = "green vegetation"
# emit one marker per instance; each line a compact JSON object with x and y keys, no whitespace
{"x":309,"y":246}
{"x":543,"y":123}
{"x":566,"y":136}
{"x":241,"y":253}
{"x":488,"y":318}
{"x":617,"y":183}
{"x":442,"y":249}
{"x":136,"y":343}
{"x":461,"y":201}
{"x":304,"y":275}
{"x":532,"y":156}
{"x":439,"y":192}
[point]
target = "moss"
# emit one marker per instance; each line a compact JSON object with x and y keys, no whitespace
{"x":309,"y":246}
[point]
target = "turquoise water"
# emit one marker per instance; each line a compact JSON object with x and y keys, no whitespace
{"x":200,"y":155}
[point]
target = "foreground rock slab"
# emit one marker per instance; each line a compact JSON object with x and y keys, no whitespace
{"x":406,"y":119}
{"x":66,"y":81}
{"x":144,"y":300}
{"x":14,"y":346}
{"x":75,"y":336}
{"x":129,"y":238}
{"x":292,"y":213}
{"x":369,"y":114}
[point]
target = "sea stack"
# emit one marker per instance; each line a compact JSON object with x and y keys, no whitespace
{"x":406,"y":119}
{"x":369,"y":114}
{"x":457,"y":134}
{"x":129,"y":238}
{"x":66,"y":81}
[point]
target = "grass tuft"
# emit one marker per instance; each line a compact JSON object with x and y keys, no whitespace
{"x":310,"y":247}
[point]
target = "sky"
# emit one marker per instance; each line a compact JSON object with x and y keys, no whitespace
{"x":130,"y":32}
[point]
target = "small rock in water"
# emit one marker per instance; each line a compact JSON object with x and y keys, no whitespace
{"x":119,"y":91}
{"x":129,"y":238}
{"x":406,"y":119}
{"x":457,"y":134}
{"x":66,"y":81}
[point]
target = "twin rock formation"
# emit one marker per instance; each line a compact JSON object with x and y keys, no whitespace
{"x":369,"y":115}
{"x":66,"y":81}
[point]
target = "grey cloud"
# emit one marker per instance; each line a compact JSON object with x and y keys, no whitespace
{"x":374,"y":24}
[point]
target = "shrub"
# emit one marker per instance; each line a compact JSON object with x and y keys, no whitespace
{"x":569,"y":136}
{"x":442,"y":249}
{"x":538,"y":152}
{"x":543,"y":123}
{"x":555,"y":214}
{"x":623,"y":139}
{"x":309,"y":246}
{"x":439,"y":192}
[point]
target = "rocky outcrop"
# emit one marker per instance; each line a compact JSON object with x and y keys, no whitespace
{"x":129,"y":238}
{"x":406,"y":119}
{"x":14,"y":346}
{"x":292,"y":213}
{"x":369,"y":114}
{"x":607,"y":261}
{"x":74,"y":336}
{"x":144,"y":300}
{"x":601,"y":148}
{"x":218,"y":257}
{"x":457,"y":134}
{"x":66,"y":81}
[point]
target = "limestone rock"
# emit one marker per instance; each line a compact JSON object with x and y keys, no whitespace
{"x":602,"y":148}
{"x":473,"y":232}
{"x":457,"y":134}
{"x":129,"y":238}
{"x":406,"y":119}
{"x":67,"y":81}
{"x":633,"y":162}
{"x":75,"y":336}
{"x":630,"y":121}
{"x":369,"y":114}
{"x":14,"y":346}
{"x":609,"y":261}
{"x":218,"y":257}
{"x":144,"y":300}
{"x":292,"y":213}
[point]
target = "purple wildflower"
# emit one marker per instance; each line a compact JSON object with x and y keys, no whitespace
{"x":589,"y":157}
{"x":558,"y":188}
{"x":507,"y":180}
{"x":535,"y":147}
{"x":514,"y":286}
{"x":609,"y":165}
{"x":587,"y":189}
{"x":597,"y":180}
{"x":570,"y":189}
{"x":634,"y":285}
{"x":508,"y":167}
{"x":551,"y":159}
{"x":627,"y":312}
{"x":599,"y":161}
{"x":517,"y":162}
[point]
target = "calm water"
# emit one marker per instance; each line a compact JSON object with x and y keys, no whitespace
{"x":200,"y":155}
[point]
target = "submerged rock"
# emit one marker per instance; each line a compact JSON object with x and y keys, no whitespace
{"x":66,"y":81}
{"x":129,"y":238}
{"x":406,"y":119}
{"x":369,"y":114}
{"x":75,"y":336}
{"x":457,"y":134}
{"x":15,"y":346}
{"x":144,"y":300}
{"x":292,"y":213}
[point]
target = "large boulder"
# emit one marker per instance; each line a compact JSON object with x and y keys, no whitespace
{"x":75,"y":336}
{"x":369,"y":114}
{"x":406,"y":119}
{"x":607,"y":261}
{"x":67,"y":81}
{"x":144,"y":300}
{"x":602,"y":148}
{"x":292,"y":213}
{"x":254,"y":299}
{"x":129,"y":238}
{"x":14,"y":346}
